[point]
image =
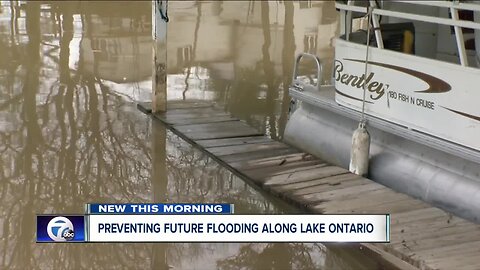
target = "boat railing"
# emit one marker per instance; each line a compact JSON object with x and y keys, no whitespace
{"x":298,"y":89}
{"x":453,"y":6}
{"x":295,"y":83}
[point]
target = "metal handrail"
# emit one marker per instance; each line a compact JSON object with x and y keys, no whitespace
{"x":317,"y":61}
{"x":442,"y":4}
{"x":416,"y":17}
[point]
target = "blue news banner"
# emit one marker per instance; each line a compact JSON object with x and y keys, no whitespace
{"x":206,"y":223}
{"x":73,"y":228}
{"x":160,"y":208}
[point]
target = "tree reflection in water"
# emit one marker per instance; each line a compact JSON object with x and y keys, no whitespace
{"x":274,"y":256}
{"x":65,"y":141}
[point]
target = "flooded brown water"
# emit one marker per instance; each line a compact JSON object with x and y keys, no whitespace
{"x":70,"y":74}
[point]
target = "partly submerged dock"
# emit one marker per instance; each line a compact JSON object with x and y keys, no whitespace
{"x":423,"y":236}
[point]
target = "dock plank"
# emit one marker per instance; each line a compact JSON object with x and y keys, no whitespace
{"x":221,"y":134}
{"x":465,"y":260}
{"x":418,"y":215}
{"x":188,"y":104}
{"x":380,"y":204}
{"x":195,"y":110}
{"x":229,"y":150}
{"x":339,"y":185}
{"x":300,"y":176}
{"x":185,"y":117}
{"x":234,"y":141}
{"x":445,"y":237}
{"x":290,"y":188}
{"x":280,"y":160}
{"x":217,"y":130}
{"x":202,"y":120}
{"x":258,"y":155}
{"x":225,"y":126}
{"x":285,"y":168}
{"x":173,"y":118}
{"x":392,"y":207}
{"x":339,"y":193}
{"x":438,"y":254}
{"x":332,"y":180}
{"x":431,"y":230}
{"x":421,"y":235}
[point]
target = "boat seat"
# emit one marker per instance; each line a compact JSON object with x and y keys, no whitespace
{"x":398,"y":37}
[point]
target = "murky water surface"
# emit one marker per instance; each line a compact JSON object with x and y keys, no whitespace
{"x":70,"y":74}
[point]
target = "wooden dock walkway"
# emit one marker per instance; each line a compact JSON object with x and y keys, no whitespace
{"x":421,"y":235}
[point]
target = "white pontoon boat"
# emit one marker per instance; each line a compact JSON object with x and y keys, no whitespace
{"x":422,"y":99}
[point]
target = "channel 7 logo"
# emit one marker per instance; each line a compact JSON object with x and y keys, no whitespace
{"x":60,"y":228}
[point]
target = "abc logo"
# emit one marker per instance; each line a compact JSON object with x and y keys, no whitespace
{"x":60,"y":229}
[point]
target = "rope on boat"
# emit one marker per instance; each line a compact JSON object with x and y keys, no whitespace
{"x":360,"y":152}
{"x":369,"y":17}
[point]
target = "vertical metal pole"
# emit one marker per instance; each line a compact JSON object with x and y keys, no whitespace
{"x":376,"y":26}
{"x":347,"y":21}
{"x":459,"y":38}
{"x":159,"y":76}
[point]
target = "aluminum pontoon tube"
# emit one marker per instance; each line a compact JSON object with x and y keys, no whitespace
{"x":442,"y":179}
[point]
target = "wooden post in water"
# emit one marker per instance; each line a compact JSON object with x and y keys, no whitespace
{"x":159,"y":76}
{"x":159,"y":104}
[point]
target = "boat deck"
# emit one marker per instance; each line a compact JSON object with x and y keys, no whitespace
{"x":421,"y":235}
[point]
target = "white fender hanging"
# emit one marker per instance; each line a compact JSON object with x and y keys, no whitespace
{"x":360,"y":152}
